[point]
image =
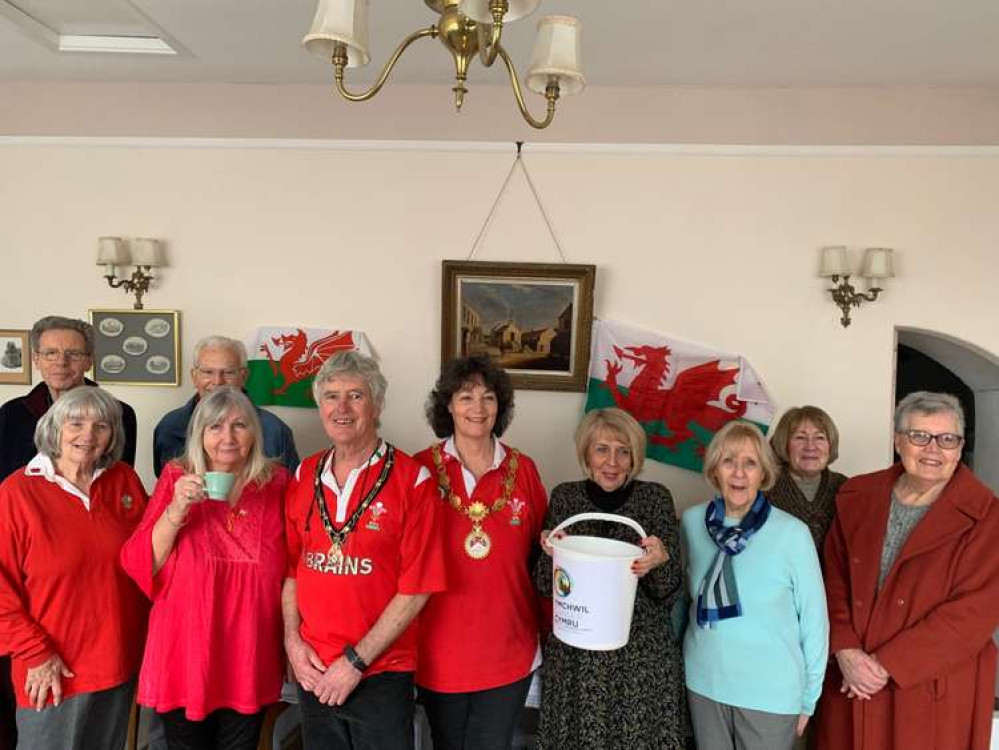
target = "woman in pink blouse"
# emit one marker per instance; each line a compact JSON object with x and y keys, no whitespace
{"x":213,"y":569}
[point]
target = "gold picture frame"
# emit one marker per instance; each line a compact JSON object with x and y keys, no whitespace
{"x":533,"y":319}
{"x":136,"y":347}
{"x":15,"y":357}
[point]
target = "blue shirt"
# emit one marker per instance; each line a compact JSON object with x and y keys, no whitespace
{"x":170,"y":437}
{"x":772,"y":658}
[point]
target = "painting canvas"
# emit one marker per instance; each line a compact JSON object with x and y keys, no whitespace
{"x":533,"y":319}
{"x":15,"y":357}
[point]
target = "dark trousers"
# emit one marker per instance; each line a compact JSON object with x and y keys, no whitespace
{"x":480,"y":720}
{"x":378,"y":715}
{"x":85,"y":721}
{"x":8,"y":726}
{"x":223,"y":729}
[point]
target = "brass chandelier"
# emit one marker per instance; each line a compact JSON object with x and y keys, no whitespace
{"x":466,"y":28}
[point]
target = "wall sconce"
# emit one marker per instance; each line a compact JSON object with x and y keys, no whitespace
{"x":146,"y":254}
{"x":836,"y":263}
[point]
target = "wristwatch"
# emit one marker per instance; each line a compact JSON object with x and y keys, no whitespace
{"x":355,"y":659}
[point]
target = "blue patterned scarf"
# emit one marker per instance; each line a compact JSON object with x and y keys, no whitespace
{"x":718,"y":597}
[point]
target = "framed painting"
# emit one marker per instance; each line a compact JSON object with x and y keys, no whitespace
{"x":136,"y":347}
{"x":15,"y":357}
{"x":533,"y":319}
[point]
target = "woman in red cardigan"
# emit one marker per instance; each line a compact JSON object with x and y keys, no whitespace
{"x":479,"y":638}
{"x":69,"y":615}
{"x":912,"y":580}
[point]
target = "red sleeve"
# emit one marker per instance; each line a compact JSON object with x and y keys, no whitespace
{"x":20,"y":635}
{"x":959,"y":627}
{"x":421,"y":566}
{"x":837,"y":572}
{"x":137,"y":553}
{"x":292,"y":519}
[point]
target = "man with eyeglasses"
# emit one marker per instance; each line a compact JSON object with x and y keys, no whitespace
{"x":61,"y":351}
{"x":219,"y":361}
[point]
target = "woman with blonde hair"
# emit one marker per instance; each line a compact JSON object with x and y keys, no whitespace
{"x":213,"y":567}
{"x":756,"y":647}
{"x":631,"y":697}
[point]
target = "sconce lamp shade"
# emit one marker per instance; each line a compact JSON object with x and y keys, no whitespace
{"x":147,"y":252}
{"x":835,"y":262}
{"x":478,"y":10}
{"x":557,"y":53}
{"x":877,"y":264}
{"x":340,"y":21}
{"x":111,"y":251}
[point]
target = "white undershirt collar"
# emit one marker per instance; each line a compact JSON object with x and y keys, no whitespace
{"x":499,"y":453}
{"x":343,"y":495}
{"x":42,"y":466}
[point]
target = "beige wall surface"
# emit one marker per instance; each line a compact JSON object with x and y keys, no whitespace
{"x":718,"y":248}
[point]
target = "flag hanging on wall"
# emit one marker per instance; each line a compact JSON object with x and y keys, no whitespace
{"x":681,"y":393}
{"x":283,"y":361}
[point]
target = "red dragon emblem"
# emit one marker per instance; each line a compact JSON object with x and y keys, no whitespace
{"x":297,"y":359}
{"x":688,"y":401}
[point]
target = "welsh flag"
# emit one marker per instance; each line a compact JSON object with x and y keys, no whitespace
{"x":283,"y":361}
{"x":681,"y":393}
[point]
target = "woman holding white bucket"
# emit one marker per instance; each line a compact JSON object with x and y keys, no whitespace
{"x":478,"y":645}
{"x":629,"y":697}
{"x":757,"y":644}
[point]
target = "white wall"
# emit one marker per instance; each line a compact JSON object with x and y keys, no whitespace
{"x":713,"y":247}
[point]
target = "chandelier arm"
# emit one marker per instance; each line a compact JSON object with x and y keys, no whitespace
{"x":551,"y":93}
{"x":339,"y":61}
{"x":489,"y":48}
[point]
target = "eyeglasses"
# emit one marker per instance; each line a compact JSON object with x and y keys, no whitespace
{"x":57,"y":355}
{"x":225,"y":374}
{"x":947,"y":441}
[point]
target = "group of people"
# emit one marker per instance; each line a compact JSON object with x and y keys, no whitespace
{"x":795,"y":602}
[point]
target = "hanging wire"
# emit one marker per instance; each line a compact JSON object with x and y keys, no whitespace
{"x":517,"y":161}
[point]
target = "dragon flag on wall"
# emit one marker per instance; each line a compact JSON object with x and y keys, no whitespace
{"x":681,"y":393}
{"x":283,"y":361}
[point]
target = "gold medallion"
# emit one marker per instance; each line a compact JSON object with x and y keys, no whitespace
{"x":477,"y":543}
{"x":334,"y":554}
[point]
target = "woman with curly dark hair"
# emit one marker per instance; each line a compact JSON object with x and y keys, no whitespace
{"x":479,"y":639}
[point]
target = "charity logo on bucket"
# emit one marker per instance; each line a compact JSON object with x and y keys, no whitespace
{"x":563,"y":583}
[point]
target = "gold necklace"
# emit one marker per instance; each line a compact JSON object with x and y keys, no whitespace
{"x":478,"y":544}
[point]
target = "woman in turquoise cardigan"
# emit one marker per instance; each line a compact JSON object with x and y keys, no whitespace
{"x":756,"y":648}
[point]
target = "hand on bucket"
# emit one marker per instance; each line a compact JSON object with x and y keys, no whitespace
{"x":545,"y":534}
{"x":655,"y":555}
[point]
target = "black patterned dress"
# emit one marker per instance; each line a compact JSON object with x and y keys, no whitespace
{"x":632,"y":698}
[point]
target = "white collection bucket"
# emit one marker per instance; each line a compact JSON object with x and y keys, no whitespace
{"x":593,"y":588}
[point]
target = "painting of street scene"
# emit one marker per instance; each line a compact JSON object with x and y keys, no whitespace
{"x":522,"y":325}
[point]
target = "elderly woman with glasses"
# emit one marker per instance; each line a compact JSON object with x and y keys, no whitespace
{"x":210,"y":553}
{"x":912,"y":579}
{"x":806,"y":441}
{"x":69,"y":615}
{"x":755,"y":650}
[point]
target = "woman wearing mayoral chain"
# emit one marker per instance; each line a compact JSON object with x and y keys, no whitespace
{"x":479,"y":639}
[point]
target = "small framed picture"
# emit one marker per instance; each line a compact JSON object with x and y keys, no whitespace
{"x":533,"y":319}
{"x":136,"y":347}
{"x":15,"y":357}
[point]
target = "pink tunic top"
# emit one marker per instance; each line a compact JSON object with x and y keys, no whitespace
{"x":215,"y":633}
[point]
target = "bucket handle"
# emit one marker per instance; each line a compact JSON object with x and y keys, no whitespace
{"x":601,"y":517}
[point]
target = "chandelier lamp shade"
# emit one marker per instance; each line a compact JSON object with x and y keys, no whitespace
{"x":467,"y":29}
{"x":146,"y":255}
{"x":876,"y":268}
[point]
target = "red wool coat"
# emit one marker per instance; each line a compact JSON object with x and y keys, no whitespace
{"x":930,"y":625}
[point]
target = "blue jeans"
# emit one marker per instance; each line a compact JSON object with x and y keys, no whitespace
{"x":377,"y":715}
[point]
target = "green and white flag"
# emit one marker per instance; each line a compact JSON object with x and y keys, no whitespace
{"x":283,"y":361}
{"x":680,"y":392}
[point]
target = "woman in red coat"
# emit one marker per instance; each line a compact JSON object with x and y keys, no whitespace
{"x":912,"y":580}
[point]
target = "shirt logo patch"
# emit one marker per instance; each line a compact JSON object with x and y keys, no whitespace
{"x":126,"y":501}
{"x":516,"y":505}
{"x":376,"y":511}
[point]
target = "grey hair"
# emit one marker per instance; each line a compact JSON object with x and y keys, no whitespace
{"x":236,"y":346}
{"x":83,"y":401}
{"x":59,"y":323}
{"x":927,"y":402}
{"x":211,"y":410}
{"x":352,"y":364}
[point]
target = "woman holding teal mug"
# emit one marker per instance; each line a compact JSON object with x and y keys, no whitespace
{"x":210,"y":554}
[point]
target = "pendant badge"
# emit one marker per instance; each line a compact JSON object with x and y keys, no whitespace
{"x":516,"y":505}
{"x":335,"y":553}
{"x":477,"y":543}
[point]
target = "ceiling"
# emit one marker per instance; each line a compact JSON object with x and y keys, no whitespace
{"x":716,"y":43}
